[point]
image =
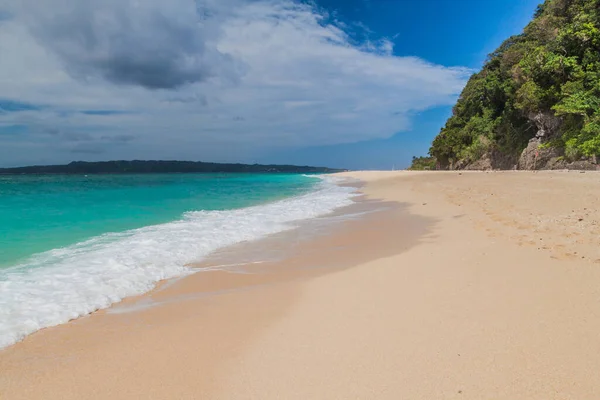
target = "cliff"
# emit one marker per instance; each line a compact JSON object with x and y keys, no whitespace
{"x":536,"y":102}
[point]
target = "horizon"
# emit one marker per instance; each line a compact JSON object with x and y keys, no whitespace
{"x":361,"y":84}
{"x":171,"y":161}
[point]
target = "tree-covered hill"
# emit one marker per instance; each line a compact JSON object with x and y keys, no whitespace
{"x":536,"y":102}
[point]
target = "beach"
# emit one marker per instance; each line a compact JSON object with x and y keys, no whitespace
{"x":433,"y":285}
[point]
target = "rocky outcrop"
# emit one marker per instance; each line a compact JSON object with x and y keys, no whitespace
{"x":535,"y":156}
{"x":483,"y":164}
{"x":583,"y":165}
{"x":493,"y":159}
{"x":548,"y":125}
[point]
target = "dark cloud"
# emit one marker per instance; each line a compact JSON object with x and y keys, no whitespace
{"x":76,"y":137}
{"x":85,"y":140}
{"x":88,"y":149}
{"x":7,"y":106}
{"x":5,"y":16}
{"x":150,"y":44}
{"x":99,"y":145}
{"x":188,"y":99}
{"x":15,"y":129}
{"x":51,"y":131}
{"x":103,"y":112}
{"x":118,"y":138}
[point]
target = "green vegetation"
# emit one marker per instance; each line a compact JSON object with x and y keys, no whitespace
{"x":549,"y":72}
{"x":422,"y":163}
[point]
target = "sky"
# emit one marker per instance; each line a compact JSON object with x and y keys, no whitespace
{"x":358,"y":84}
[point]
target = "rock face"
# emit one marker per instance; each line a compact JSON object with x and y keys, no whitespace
{"x":535,"y":155}
{"x":583,"y":165}
{"x":548,"y":125}
{"x":483,"y":164}
{"x":493,"y":159}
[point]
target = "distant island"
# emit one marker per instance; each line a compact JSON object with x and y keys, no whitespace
{"x":153,"y":167}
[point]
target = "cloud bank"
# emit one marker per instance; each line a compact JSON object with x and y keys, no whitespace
{"x":216,"y":80}
{"x":153,"y":44}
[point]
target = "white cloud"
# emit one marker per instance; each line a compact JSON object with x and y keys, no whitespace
{"x":249,"y":75}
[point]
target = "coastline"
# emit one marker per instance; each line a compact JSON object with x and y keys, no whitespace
{"x":94,"y":269}
{"x":200,"y":321}
{"x":443,"y":289}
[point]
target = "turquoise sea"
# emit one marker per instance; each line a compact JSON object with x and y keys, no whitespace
{"x":39,"y":213}
{"x":74,"y":244}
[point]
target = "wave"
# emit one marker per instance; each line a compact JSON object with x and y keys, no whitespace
{"x":56,"y":286}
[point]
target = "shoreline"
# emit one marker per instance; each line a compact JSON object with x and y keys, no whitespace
{"x":74,"y":280}
{"x":460,"y":285}
{"x":294,"y":256}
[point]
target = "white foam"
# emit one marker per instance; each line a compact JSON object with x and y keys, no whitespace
{"x":59,"y":285}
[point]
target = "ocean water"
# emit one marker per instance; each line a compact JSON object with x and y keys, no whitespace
{"x":70,"y":245}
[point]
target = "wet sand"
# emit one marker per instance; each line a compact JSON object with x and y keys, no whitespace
{"x":466,"y":286}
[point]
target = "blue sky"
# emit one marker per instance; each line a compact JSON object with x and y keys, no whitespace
{"x":362,"y":84}
{"x":445,"y":32}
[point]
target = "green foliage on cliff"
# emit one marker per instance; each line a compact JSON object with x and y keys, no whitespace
{"x":422,"y":163}
{"x":552,"y":68}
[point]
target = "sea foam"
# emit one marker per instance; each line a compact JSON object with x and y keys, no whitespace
{"x":56,"y":286}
